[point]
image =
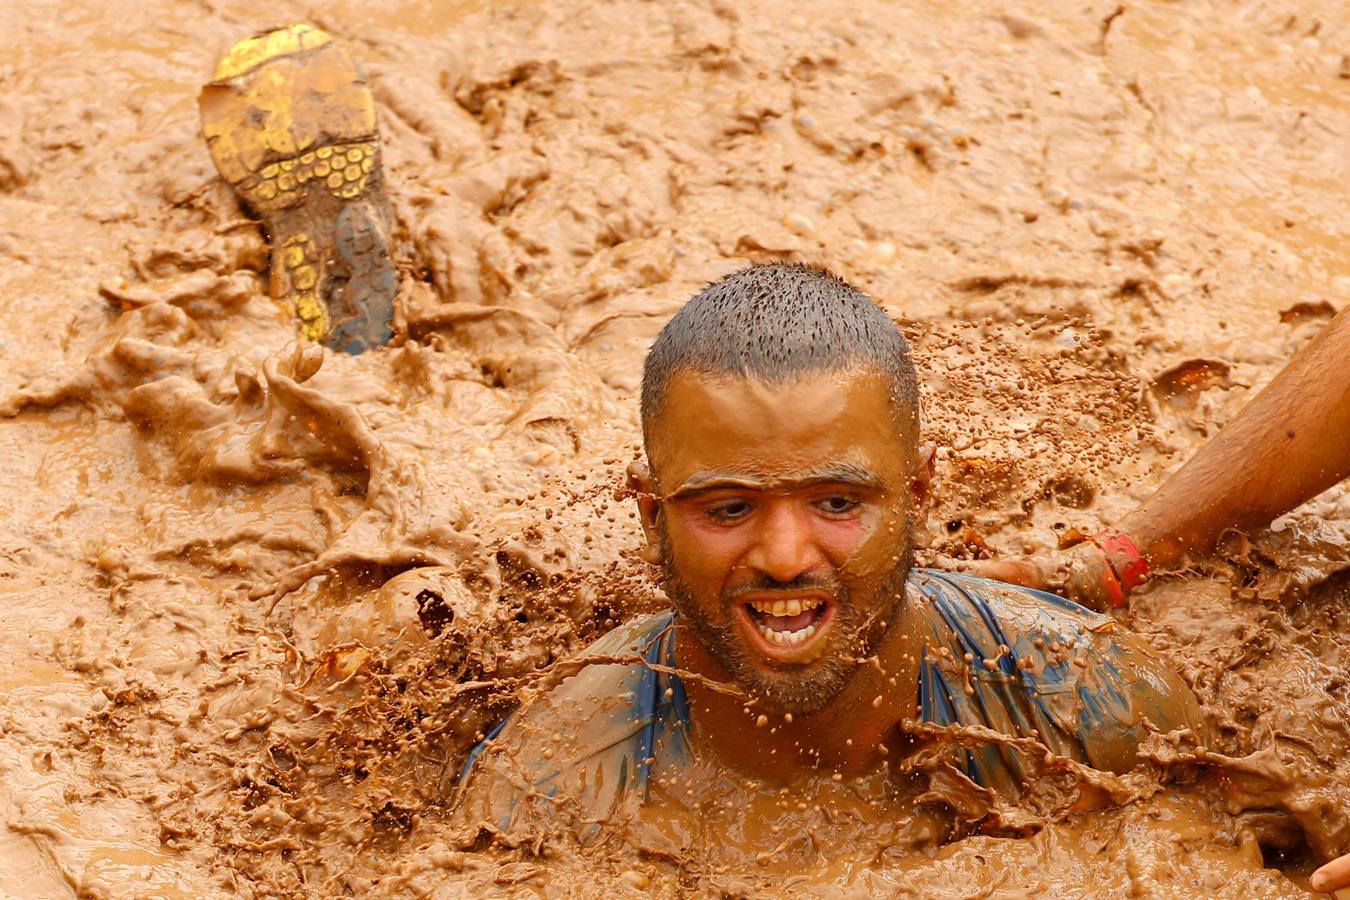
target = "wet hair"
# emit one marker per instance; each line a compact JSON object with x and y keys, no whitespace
{"x":775,"y":323}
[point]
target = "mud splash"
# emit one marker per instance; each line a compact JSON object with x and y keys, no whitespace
{"x":263,"y":597}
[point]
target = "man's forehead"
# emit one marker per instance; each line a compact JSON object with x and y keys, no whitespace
{"x":812,"y":391}
{"x":721,"y":424}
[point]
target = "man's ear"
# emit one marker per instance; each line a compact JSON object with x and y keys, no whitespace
{"x":925,"y":464}
{"x":640,"y":481}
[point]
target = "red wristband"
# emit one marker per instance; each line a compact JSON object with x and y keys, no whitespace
{"x":1115,"y":594}
{"x":1125,"y":560}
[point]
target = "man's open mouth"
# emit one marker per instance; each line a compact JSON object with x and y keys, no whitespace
{"x":784,"y":628}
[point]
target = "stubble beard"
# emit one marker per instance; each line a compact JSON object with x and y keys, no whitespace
{"x":790,"y":688}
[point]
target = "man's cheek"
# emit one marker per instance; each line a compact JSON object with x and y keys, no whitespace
{"x":699,"y":544}
{"x":875,"y":550}
{"x":844,"y":540}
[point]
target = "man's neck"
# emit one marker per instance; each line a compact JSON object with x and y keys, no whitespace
{"x":853,"y":735}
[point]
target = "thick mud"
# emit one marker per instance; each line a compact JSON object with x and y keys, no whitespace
{"x":261,"y":597}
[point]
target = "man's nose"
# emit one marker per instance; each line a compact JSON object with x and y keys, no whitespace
{"x":786,"y":547}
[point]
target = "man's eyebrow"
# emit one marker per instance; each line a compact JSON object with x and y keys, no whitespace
{"x":844,"y":473}
{"x":841,"y":473}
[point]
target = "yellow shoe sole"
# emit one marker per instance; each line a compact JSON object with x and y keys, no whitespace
{"x":291,"y":125}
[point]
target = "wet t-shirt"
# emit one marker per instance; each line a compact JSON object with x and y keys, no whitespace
{"x":1019,"y":661}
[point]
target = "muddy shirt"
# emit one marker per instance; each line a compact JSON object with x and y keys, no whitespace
{"x":1020,"y":661}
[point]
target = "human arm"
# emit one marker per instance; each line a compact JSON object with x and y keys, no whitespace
{"x":1290,"y":443}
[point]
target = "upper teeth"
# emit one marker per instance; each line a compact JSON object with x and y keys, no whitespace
{"x":785,"y":607}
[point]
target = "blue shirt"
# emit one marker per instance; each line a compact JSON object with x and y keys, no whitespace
{"x":1039,"y":666}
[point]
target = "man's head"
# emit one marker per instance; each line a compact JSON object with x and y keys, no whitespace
{"x":780,"y":417}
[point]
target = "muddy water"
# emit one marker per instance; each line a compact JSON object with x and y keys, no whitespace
{"x":1103,"y":227}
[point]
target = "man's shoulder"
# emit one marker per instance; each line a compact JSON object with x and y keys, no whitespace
{"x":1083,"y":682}
{"x":986,"y":609}
{"x":603,"y":677}
{"x":591,"y":735}
{"x":632,"y":637}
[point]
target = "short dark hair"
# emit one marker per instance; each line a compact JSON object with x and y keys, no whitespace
{"x":776,"y":322}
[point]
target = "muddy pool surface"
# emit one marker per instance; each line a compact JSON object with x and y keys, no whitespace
{"x":260,"y":598}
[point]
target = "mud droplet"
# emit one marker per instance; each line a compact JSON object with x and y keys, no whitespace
{"x":800,"y":223}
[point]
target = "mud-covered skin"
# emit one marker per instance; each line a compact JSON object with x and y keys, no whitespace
{"x":1043,"y":672}
{"x":1063,"y":206}
{"x":291,"y":126}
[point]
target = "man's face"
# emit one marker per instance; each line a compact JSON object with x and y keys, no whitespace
{"x":784,"y":517}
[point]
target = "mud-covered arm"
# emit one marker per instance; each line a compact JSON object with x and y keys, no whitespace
{"x":1286,"y":446}
{"x":1290,"y":443}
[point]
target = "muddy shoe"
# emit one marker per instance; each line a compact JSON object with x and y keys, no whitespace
{"x":291,"y":126}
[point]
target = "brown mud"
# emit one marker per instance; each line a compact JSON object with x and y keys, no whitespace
{"x":262,"y":597}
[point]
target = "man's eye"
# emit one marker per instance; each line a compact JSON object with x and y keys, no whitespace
{"x":729,"y":511}
{"x":838,"y":505}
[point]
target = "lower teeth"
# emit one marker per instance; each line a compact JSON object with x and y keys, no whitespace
{"x":789,"y":638}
